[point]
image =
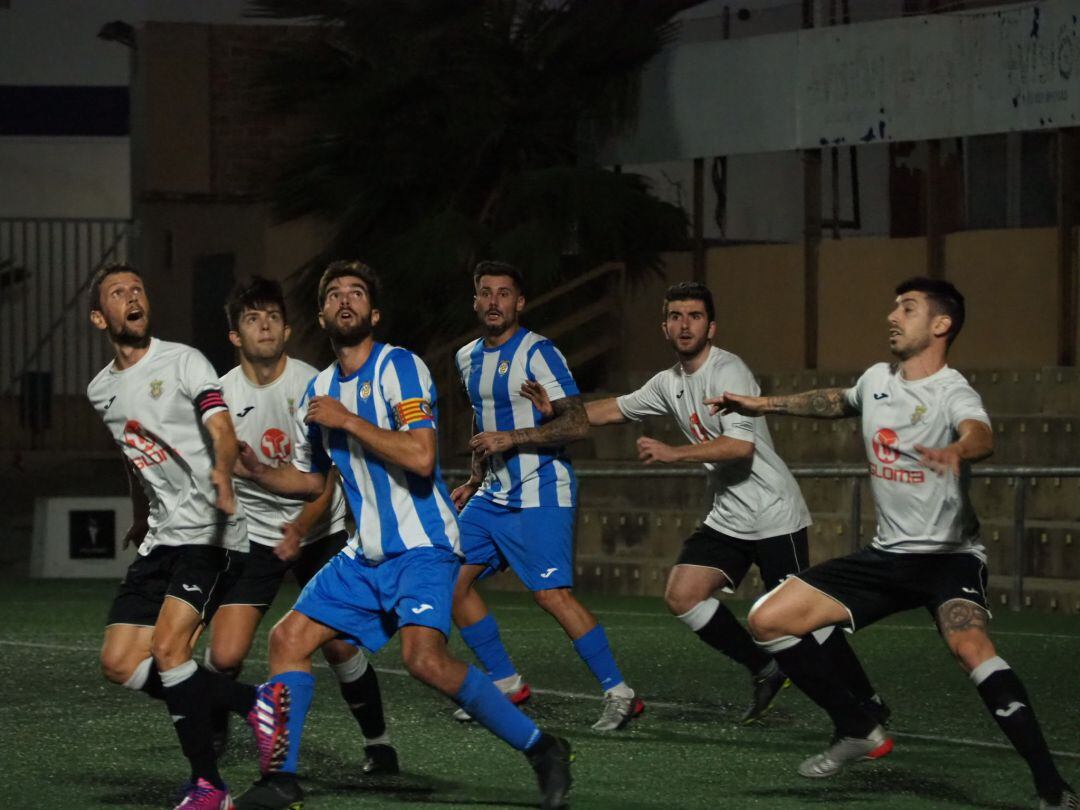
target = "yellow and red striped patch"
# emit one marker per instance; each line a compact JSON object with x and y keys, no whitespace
{"x":412,"y":410}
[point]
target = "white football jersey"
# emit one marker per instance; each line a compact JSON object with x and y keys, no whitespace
{"x":155,"y":412}
{"x":264,"y":416}
{"x":751,"y":500}
{"x":918,"y":511}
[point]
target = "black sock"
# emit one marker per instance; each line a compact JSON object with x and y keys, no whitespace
{"x":847,"y":667}
{"x":365,"y":702}
{"x":1009,"y":705}
{"x":220,"y":714}
{"x":185,"y":697}
{"x":153,"y":686}
{"x":724,"y":633}
{"x":811,"y":669}
{"x":227,"y":693}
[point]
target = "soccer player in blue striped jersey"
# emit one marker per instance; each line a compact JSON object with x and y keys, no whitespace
{"x":518,"y":504}
{"x":371,"y":415}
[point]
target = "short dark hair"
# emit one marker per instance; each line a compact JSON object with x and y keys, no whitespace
{"x":99,"y":277}
{"x":254,"y":293}
{"x":690,"y":291}
{"x":350,"y":267}
{"x":494,"y":268}
{"x":944,"y":299}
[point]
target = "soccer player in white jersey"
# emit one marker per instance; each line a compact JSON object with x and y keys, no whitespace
{"x":518,"y":504}
{"x":285,"y":534}
{"x":758,"y":514}
{"x":371,"y":415}
{"x":163,"y":406}
{"x":922,"y":427}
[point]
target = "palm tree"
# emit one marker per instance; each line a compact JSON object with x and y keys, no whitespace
{"x":440,"y":132}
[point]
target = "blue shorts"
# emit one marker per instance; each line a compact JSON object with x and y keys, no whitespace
{"x":536,"y":543}
{"x":367,"y":604}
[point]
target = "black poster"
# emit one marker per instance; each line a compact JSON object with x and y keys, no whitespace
{"x":92,"y":535}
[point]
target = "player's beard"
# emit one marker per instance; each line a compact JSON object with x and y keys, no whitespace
{"x":352,"y":335}
{"x":123,"y":335}
{"x":910,"y":349}
{"x":694,"y":350}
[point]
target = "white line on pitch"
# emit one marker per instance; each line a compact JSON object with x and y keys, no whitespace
{"x":656,"y":704}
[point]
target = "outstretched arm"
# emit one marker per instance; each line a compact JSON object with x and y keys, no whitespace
{"x":823,"y":403}
{"x":720,"y":449}
{"x":569,"y":424}
{"x":975,"y":441}
{"x":599,"y":411}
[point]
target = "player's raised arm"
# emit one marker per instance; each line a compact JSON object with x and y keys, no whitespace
{"x":599,"y":412}
{"x":226,"y":449}
{"x":823,"y":403}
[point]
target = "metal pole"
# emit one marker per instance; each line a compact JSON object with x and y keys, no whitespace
{"x":1016,"y":601}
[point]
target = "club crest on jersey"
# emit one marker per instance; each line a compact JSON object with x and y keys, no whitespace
{"x":918,"y":414}
{"x":292,"y":406}
{"x":504,"y":368}
{"x":365,"y":391}
{"x":157,"y":387}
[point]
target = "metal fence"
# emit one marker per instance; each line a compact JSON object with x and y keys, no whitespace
{"x":1021,"y":476}
{"x":48,"y":352}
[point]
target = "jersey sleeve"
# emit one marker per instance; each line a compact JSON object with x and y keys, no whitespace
{"x":309,"y":455}
{"x":736,"y":378}
{"x":962,"y":402}
{"x":201,"y":385}
{"x":547,"y":366}
{"x":646,"y":401}
{"x":408,"y":391}
{"x":854,"y":396}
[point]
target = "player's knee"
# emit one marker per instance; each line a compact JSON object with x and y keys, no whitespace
{"x":285,"y":639}
{"x":765,"y":620}
{"x":116,"y":667}
{"x":424,"y":664}
{"x":679,"y":601}
{"x":554,"y":599}
{"x":168,"y":654}
{"x":971,"y":649}
{"x":226,"y":658}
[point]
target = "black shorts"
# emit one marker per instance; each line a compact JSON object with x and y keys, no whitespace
{"x":198,"y":575}
{"x":775,"y":557}
{"x":873,"y":584}
{"x":263,"y":572}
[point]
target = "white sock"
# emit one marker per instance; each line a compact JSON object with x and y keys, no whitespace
{"x":351,"y":670}
{"x":177,"y":675}
{"x":138,"y":677}
{"x":700,"y":614}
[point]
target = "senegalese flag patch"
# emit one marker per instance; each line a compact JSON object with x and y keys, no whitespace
{"x":409,"y":411}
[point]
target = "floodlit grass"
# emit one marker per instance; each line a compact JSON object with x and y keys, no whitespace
{"x":70,"y":740}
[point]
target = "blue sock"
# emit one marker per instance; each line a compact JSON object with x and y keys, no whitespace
{"x":595,"y":651}
{"x":491,"y":709}
{"x":483,"y":639}
{"x":301,"y":689}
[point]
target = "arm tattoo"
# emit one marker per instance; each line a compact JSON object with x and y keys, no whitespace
{"x":569,"y":423}
{"x":958,"y":615}
{"x":477,"y":467}
{"x":824,"y":403}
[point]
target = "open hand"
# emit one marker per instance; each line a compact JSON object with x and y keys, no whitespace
{"x":538,"y":396}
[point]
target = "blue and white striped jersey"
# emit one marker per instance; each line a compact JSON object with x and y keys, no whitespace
{"x":493,"y":377}
{"x":394,"y":510}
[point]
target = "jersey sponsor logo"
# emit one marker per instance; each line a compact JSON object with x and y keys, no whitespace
{"x":191,"y":588}
{"x":897,"y":474}
{"x":424,"y":607}
{"x":548,"y":573}
{"x":108,"y":404}
{"x":412,"y":410}
{"x":918,"y":414}
{"x":1011,"y":709}
{"x":365,"y":391}
{"x":697,"y":428}
{"x":157,"y":387}
{"x":245,"y":412}
{"x":504,"y":368}
{"x":150,"y":453}
{"x":880,"y":396}
{"x":275,"y":445}
{"x":887,"y":445}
